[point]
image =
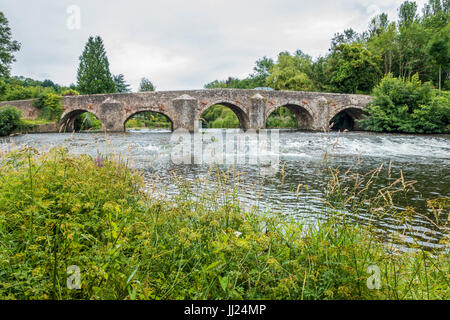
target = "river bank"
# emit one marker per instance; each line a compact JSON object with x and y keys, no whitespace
{"x":59,"y":210}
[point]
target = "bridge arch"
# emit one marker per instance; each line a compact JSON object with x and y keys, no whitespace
{"x":239,"y":111}
{"x":67,"y":122}
{"x":168,"y":117}
{"x":346,"y":118}
{"x":302,"y":112}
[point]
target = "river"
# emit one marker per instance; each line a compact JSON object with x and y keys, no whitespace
{"x":425,"y":159}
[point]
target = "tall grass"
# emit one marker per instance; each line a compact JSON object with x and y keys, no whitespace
{"x":58,"y":210}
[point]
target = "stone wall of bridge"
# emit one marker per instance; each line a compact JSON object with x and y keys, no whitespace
{"x":26,"y":107}
{"x":184,"y":108}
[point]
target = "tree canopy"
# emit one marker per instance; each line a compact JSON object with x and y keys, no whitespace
{"x":146,"y":85}
{"x":120,"y":83}
{"x":94,"y":75}
{"x":8,"y":47}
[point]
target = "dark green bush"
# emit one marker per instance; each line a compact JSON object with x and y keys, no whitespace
{"x":9,"y":120}
{"x":407,"y":105}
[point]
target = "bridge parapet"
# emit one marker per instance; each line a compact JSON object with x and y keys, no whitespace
{"x":184,"y":109}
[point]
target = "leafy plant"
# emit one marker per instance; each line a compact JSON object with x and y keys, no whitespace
{"x":407,"y":105}
{"x":59,"y":210}
{"x":50,"y":106}
{"x":10,"y":120}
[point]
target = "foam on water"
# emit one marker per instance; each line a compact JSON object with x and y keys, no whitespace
{"x":422,"y":158}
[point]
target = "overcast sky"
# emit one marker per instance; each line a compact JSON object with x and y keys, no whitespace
{"x":179,"y":44}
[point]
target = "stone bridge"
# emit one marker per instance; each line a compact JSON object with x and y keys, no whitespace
{"x":185,"y":108}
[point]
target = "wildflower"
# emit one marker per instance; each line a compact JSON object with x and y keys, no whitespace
{"x":99,"y":161}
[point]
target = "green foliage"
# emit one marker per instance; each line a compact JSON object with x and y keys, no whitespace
{"x":408,"y":12}
{"x":8,"y":47}
{"x":17,"y":92}
{"x":256,"y":79}
{"x":434,"y":117}
{"x":349,"y":36}
{"x":58,"y":210}
{"x":94,"y":75}
{"x":219,"y":117}
{"x":407,"y":105}
{"x":354,"y":69}
{"x":87,"y":121}
{"x":20,"y":88}
{"x":146,"y":85}
{"x":291,"y":73}
{"x":9,"y":120}
{"x":234,"y":83}
{"x":149,"y":120}
{"x":50,"y":106}
{"x":69,"y":92}
{"x":121,"y":85}
{"x":439,"y":50}
{"x":282,"y":118}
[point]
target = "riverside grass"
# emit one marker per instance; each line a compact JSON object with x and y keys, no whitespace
{"x":59,"y":210}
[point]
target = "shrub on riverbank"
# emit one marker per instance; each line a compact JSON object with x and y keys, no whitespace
{"x":58,"y":210}
{"x":408,"y":105}
{"x":10,"y":120}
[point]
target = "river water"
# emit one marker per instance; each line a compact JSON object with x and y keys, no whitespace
{"x":425,"y":159}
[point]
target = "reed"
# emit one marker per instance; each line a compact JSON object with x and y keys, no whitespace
{"x":131,"y":242}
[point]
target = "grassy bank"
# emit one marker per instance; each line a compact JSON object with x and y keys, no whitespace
{"x":57,"y":210}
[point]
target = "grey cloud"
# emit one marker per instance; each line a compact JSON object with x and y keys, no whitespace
{"x":178,"y":44}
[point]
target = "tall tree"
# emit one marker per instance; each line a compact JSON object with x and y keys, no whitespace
{"x":439,"y":51}
{"x":349,"y":36}
{"x":354,"y":69}
{"x":121,"y":85}
{"x":407,"y":12}
{"x":94,"y":75}
{"x":8,"y":47}
{"x":291,"y":72}
{"x":261,"y":71}
{"x":146,"y":85}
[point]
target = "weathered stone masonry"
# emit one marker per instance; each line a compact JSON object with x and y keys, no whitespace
{"x":184,"y":108}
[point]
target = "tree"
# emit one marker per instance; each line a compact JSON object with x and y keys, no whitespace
{"x":407,"y":105}
{"x":349,"y":36}
{"x":354,"y":69}
{"x":439,"y":51}
{"x":261,"y":72}
{"x":94,"y":75}
{"x":378,"y":24}
{"x":7,"y":47}
{"x":121,"y":85}
{"x":407,"y":13}
{"x":291,"y":73}
{"x":383,"y":43}
{"x":146,"y":85}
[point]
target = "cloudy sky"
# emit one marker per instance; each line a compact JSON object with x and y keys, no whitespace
{"x":178,"y":44}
